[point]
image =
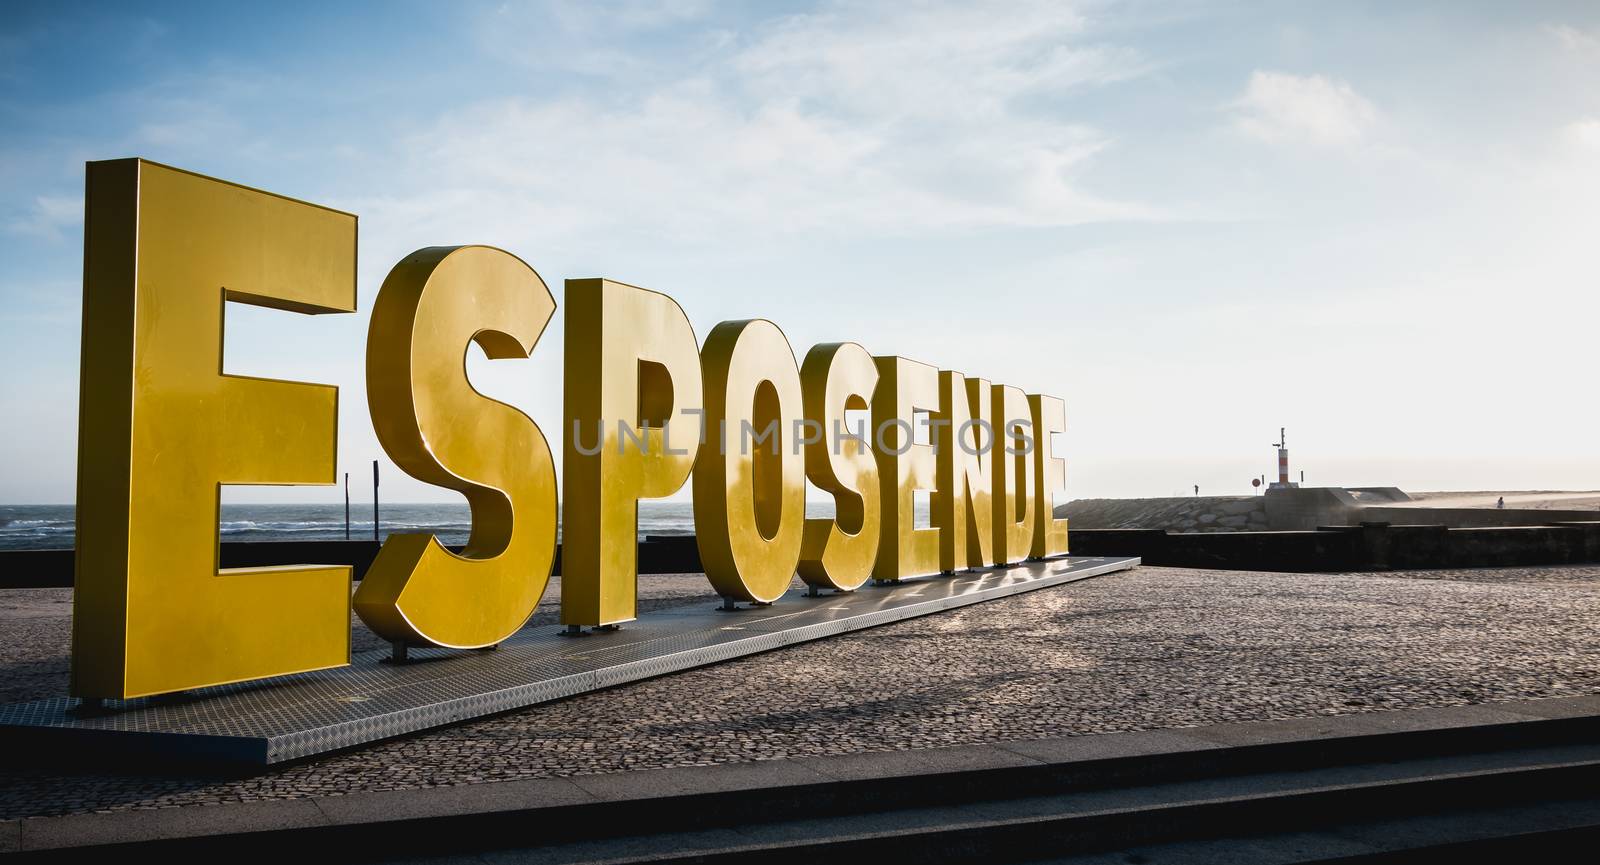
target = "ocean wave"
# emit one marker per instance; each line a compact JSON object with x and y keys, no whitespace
{"x":36,"y":530}
{"x":7,"y":524}
{"x":387,"y":526}
{"x":53,"y":526}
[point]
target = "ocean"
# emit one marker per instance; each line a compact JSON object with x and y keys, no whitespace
{"x":43,"y":527}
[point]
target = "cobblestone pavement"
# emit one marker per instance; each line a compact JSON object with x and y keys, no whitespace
{"x":1152,"y":648}
{"x":35,"y":630}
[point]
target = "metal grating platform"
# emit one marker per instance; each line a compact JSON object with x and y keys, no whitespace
{"x":291,"y":717}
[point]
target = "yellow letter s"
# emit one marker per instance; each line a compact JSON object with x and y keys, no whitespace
{"x":438,"y":429}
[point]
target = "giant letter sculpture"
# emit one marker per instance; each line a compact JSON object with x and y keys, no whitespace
{"x":1050,"y":476}
{"x":437,"y":428}
{"x":905,"y":387}
{"x":632,"y":367}
{"x":750,"y":496}
{"x":963,"y":504}
{"x":1014,"y":510}
{"x":837,"y":553}
{"x":161,"y":428}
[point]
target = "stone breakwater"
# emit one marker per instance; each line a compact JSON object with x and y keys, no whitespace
{"x":1182,"y":514}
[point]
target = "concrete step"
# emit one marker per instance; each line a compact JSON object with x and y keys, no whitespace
{"x":1444,"y":774}
{"x":1353,"y":811}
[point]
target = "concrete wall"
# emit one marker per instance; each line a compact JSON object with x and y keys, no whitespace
{"x":1293,"y":509}
{"x":53,"y":568}
{"x":1367,"y":547}
{"x":1180,"y":513}
{"x":1473,"y":517}
{"x":1305,"y":508}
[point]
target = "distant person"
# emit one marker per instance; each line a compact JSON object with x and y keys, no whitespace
{"x":1197,"y":490}
{"x":1500,"y":504}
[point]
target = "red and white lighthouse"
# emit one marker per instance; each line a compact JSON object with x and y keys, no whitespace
{"x":1282,"y":444}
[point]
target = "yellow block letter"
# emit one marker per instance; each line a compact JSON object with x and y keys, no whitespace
{"x":750,"y":499}
{"x":1013,"y":476}
{"x":161,"y":428}
{"x":438,"y":429}
{"x":632,"y":365}
{"x":963,"y":505}
{"x":904,"y":388}
{"x":1050,"y":475}
{"x":838,"y":553}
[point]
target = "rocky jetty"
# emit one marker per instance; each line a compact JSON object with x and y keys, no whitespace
{"x":1183,"y":514}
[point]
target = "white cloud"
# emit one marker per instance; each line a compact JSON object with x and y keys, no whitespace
{"x":1584,"y":134}
{"x":947,"y":61}
{"x":862,"y":119}
{"x":625,"y":14}
{"x":1573,"y":39}
{"x":48,"y":217}
{"x":1279,"y":107}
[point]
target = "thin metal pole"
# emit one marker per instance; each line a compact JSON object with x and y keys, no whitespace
{"x":374,"y":499}
{"x":347,"y":506}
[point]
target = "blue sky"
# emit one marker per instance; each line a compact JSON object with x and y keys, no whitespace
{"x":1373,"y":223}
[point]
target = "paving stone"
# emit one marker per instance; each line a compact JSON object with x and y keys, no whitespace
{"x":686,"y":780}
{"x":1152,"y":649}
{"x":1444,"y":717}
{"x":888,"y":764}
{"x":129,"y":826}
{"x":1073,"y":749}
{"x":437,"y":801}
{"x":1573,"y":707}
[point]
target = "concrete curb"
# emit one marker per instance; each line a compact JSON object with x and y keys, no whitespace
{"x":823,"y":781}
